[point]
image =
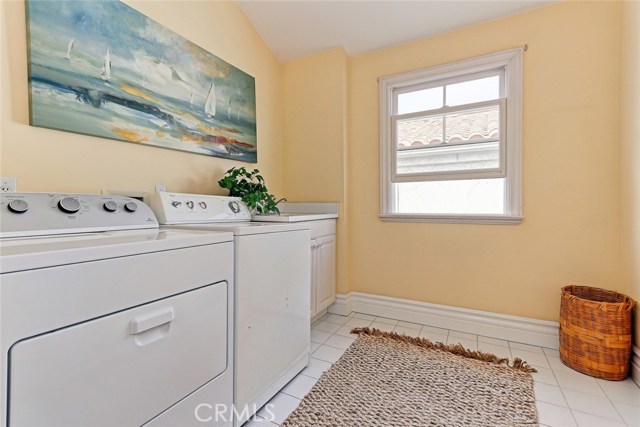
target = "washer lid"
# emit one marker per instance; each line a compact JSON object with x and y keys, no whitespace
{"x":20,"y":254}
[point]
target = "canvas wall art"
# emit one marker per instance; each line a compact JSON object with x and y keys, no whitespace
{"x":102,"y":68}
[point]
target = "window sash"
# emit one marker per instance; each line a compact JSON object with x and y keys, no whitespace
{"x":498,"y":172}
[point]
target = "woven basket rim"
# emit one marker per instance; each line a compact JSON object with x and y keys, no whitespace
{"x":625,"y":300}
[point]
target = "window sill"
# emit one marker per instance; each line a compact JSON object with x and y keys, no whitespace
{"x":452,"y":219}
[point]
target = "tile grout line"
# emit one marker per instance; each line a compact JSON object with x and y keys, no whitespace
{"x":611,"y":402}
{"x":601,"y":388}
{"x":601,"y":417}
{"x":329,"y":345}
{"x":573,"y":417}
{"x":290,"y":395}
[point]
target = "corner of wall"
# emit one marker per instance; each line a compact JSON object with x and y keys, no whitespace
{"x":315,"y":137}
{"x":630,"y":153}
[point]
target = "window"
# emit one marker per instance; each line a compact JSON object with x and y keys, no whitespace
{"x":451,"y":142}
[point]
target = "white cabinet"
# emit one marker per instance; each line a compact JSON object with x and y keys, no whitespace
{"x":323,"y":265}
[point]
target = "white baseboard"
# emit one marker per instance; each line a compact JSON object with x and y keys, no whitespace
{"x":512,"y":328}
{"x":635,"y":364}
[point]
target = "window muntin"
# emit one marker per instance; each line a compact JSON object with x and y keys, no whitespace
{"x":451,"y":141}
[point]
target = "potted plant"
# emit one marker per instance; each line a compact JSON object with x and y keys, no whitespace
{"x":250,"y":187}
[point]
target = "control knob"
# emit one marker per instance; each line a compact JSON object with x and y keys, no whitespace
{"x":189,"y":204}
{"x":176,"y":203}
{"x":130,"y":207}
{"x":69,"y":205}
{"x":18,"y":206}
{"x":203,"y":205}
{"x":234,"y":206}
{"x":110,"y":206}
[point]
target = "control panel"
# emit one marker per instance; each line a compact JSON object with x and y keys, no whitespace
{"x":39,"y":214}
{"x":182,"y":208}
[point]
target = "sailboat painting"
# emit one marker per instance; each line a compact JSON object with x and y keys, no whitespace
{"x":101,"y":68}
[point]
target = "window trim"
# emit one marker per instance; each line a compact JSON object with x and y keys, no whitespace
{"x":511,"y":61}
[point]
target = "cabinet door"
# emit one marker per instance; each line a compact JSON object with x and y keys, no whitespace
{"x":325,"y":272}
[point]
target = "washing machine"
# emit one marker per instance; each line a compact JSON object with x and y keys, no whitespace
{"x":106,"y":320}
{"x":272,"y":284}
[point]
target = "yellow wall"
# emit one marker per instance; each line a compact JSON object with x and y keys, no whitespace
{"x":48,"y":160}
{"x":630,"y":152}
{"x":571,"y":231}
{"x":315,"y":137}
{"x":318,"y":132}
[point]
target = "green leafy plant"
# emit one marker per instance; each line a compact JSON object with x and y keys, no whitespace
{"x":250,"y":187}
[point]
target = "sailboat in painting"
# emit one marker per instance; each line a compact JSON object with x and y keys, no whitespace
{"x":210,"y":103}
{"x":69,"y":49}
{"x":105,"y":74}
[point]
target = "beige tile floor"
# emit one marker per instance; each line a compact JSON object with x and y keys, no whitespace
{"x":565,"y":398}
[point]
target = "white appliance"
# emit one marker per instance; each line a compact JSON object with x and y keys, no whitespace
{"x":272,"y":278}
{"x":105,"y":320}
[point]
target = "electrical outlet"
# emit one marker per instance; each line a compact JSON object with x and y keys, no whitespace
{"x":8,"y":184}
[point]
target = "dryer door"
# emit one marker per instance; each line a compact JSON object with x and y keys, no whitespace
{"x":122,"y":369}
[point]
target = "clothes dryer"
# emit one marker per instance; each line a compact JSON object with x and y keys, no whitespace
{"x":106,"y":320}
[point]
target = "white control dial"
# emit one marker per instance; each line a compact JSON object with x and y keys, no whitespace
{"x":130,"y":207}
{"x":176,"y":204}
{"x":18,"y":206}
{"x":234,"y":206}
{"x":69,"y":205}
{"x":203,"y":205}
{"x":110,"y":206}
{"x":189,"y":204}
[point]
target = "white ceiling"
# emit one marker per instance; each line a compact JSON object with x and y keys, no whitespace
{"x":297,"y":28}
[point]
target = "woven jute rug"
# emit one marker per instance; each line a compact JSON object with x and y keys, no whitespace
{"x":387,"y":380}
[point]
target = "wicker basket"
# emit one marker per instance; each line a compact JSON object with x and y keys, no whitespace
{"x":595,"y":331}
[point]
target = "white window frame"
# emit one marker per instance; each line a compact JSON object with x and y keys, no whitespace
{"x":510,"y":154}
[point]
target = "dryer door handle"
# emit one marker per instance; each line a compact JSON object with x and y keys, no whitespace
{"x":151,"y":320}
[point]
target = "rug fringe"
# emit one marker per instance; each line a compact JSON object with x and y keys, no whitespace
{"x":518,"y":364}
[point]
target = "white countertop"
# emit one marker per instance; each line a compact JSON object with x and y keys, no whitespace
{"x":297,"y":212}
